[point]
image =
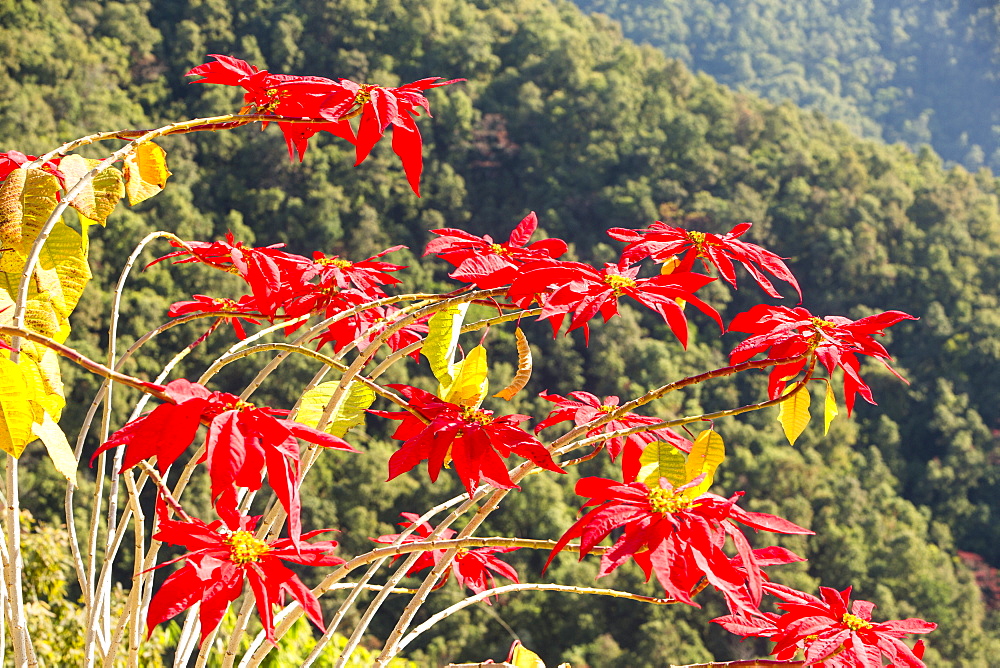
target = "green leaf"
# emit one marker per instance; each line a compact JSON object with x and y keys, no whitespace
{"x":471,"y":384}
{"x":146,"y":172}
{"x":15,"y":409}
{"x":661,"y":460}
{"x":707,"y":453}
{"x":829,"y":408}
{"x":793,"y":413}
{"x":347,"y":414}
{"x":442,"y":341}
{"x":52,"y":436}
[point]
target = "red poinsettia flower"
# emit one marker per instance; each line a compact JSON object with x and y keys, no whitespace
{"x":835,"y":633}
{"x":243,"y":441}
{"x":362,"y":328}
{"x":368,"y":275}
{"x":586,"y":408}
{"x":206,"y":304}
{"x":487,"y":264}
{"x":280,"y":94}
{"x":472,"y":568}
{"x":474,"y":440}
{"x":675,"y":536}
{"x":577,"y":288}
{"x":836,"y":341}
{"x":274,"y":276}
{"x":221,"y":557}
{"x":12,"y":160}
{"x":662,"y":242}
{"x":379,"y":108}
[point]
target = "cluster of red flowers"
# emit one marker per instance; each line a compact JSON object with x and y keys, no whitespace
{"x":332,"y":105}
{"x":675,"y":530}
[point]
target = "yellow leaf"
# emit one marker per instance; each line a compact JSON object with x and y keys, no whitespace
{"x":441,"y":343}
{"x":522,"y":657}
{"x":661,"y":460}
{"x":523,"y":368}
{"x":108,"y":189}
{"x":15,"y":409}
{"x":146,"y":172}
{"x":830,"y":408}
{"x":347,"y":414}
{"x":74,"y":168}
{"x":27,"y":198}
{"x":669,"y":265}
{"x":11,"y":209}
{"x":49,"y":433}
{"x":470,"y":385}
{"x":707,"y":453}
{"x":793,"y":413}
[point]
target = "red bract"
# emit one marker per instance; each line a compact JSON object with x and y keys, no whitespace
{"x":221,"y":557}
{"x":588,"y":408}
{"x":280,"y":94}
{"x":835,"y":636}
{"x":12,"y":160}
{"x":577,"y":288}
{"x":836,"y":341}
{"x":242,"y":442}
{"x":474,"y":440}
{"x":487,"y":264}
{"x":662,"y":242}
{"x":471,"y":568}
{"x":206,"y":304}
{"x":379,"y":108}
{"x":677,"y":537}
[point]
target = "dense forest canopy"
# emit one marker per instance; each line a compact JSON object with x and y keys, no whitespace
{"x":915,"y":71}
{"x":562,"y":115}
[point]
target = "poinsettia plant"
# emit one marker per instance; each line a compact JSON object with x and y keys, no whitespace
{"x":353,"y":319}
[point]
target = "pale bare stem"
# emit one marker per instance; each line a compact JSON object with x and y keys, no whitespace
{"x":284,"y":619}
{"x":527,"y":586}
{"x":308,"y":352}
{"x":390,"y":648}
{"x":310,"y":333}
{"x":95,"y":589}
{"x":729,"y":412}
{"x":425,"y":587}
{"x":206,"y":648}
{"x":13,"y":568}
{"x":135,"y":638}
{"x":234,"y":638}
{"x":186,"y":641}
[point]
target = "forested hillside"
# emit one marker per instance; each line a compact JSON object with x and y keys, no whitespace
{"x":916,"y":71}
{"x":563,"y":116}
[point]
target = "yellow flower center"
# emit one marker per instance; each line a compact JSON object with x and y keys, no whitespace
{"x":608,"y":409}
{"x":854,"y":622}
{"x":499,"y":250}
{"x":364,"y":94}
{"x":698,"y":239}
{"x":334,"y":262}
{"x":663,"y":501}
{"x":618,"y":283}
{"x":479,"y":417}
{"x":244,"y":547}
